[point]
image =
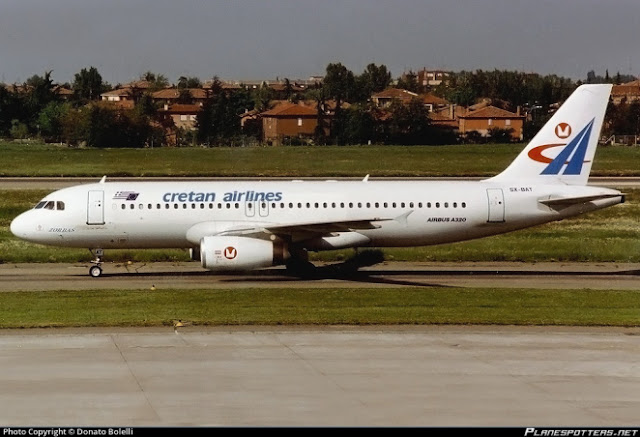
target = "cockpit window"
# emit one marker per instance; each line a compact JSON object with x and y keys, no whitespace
{"x":52,"y":205}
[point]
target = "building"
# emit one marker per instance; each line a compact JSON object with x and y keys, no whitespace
{"x":184,"y":116}
{"x":385,"y":98}
{"x":171,"y":96}
{"x":430,"y":78}
{"x":626,"y":92}
{"x":121,"y":97}
{"x":433,"y":102}
{"x":490,"y":117}
{"x":289,"y":120}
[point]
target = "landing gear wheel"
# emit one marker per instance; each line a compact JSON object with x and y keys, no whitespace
{"x":95,"y":271}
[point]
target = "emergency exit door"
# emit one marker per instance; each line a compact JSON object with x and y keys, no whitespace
{"x":495,"y":197}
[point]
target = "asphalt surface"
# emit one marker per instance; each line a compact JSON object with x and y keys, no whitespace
{"x":189,"y":275}
{"x":321,"y":376}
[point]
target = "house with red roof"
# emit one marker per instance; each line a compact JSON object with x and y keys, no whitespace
{"x":292,"y":120}
{"x":491,"y":117}
{"x":627,"y":92}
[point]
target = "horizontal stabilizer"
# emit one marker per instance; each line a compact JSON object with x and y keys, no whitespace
{"x":568,"y":201}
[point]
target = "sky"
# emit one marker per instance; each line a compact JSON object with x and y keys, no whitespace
{"x":268,"y":39}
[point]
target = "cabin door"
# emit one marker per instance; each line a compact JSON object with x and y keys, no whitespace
{"x":95,"y":208}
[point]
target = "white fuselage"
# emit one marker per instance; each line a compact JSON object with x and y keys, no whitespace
{"x":405,"y":213}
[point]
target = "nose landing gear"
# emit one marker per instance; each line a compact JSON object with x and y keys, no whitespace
{"x":95,"y":271}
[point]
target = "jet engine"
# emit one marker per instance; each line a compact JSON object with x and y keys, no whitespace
{"x":241,"y":253}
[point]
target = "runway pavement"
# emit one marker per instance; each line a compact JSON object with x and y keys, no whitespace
{"x":189,"y":275}
{"x":321,"y":376}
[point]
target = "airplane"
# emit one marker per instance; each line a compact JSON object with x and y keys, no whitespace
{"x":245,"y":225}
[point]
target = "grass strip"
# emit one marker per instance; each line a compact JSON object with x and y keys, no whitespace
{"x":415,"y":305}
{"x":298,"y":161}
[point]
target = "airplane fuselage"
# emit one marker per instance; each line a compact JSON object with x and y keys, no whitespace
{"x":403,"y":213}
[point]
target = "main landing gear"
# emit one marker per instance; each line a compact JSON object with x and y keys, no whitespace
{"x":95,"y":271}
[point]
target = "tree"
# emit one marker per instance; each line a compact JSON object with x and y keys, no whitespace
{"x":338,"y":84}
{"x":11,"y":108}
{"x":189,"y":82}
{"x":88,"y":84}
{"x":409,"y":82}
{"x":373,"y":80}
{"x":50,"y":120}
{"x":409,"y":123}
{"x":262,"y":97}
{"x":157,"y":81}
{"x":39,"y":94}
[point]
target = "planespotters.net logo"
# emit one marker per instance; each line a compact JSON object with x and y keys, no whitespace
{"x":571,"y":432}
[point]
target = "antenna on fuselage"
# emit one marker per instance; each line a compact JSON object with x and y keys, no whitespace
{"x":104,"y":178}
{"x":366,"y":179}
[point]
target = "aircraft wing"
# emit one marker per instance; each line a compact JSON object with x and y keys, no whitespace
{"x":295,"y":231}
{"x":576,"y":200}
{"x":303,"y":230}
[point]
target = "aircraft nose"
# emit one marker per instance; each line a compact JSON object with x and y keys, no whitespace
{"x":20,"y":226}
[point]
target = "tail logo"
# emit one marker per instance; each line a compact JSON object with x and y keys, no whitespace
{"x":563,"y":130}
{"x":572,"y":155}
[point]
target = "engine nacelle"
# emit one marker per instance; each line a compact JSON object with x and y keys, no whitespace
{"x":241,"y":253}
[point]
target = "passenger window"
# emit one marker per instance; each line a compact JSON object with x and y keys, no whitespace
{"x":124,"y":206}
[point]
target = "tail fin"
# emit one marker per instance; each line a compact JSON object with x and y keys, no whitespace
{"x":562,"y":151}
